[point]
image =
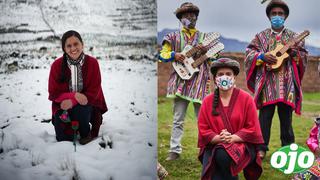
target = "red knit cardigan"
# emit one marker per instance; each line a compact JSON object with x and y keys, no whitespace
{"x":91,"y":89}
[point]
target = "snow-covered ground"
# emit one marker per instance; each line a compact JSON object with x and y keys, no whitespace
{"x":28,"y":149}
{"x":113,"y":17}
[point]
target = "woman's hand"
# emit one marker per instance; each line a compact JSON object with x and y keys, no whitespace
{"x":220,"y":137}
{"x":81,"y":98}
{"x":234,"y":139}
{"x":229,"y":138}
{"x":225,"y":135}
{"x":66,"y":104}
{"x":216,"y":139}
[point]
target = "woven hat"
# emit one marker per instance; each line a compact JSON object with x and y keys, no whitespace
{"x":277,"y":3}
{"x":187,"y":7}
{"x":225,"y":63}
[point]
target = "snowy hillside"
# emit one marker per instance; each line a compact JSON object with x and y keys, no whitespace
{"x":122,"y":35}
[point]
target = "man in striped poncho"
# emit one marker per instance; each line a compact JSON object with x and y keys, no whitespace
{"x":184,"y":91}
{"x":282,"y":87}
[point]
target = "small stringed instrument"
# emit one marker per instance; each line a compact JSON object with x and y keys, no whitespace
{"x":190,"y":66}
{"x":280,"y":52}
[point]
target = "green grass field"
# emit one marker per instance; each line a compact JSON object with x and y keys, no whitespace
{"x":188,"y":166}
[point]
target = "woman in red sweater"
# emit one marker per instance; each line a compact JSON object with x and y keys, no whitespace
{"x":75,"y":91}
{"x":229,"y":130}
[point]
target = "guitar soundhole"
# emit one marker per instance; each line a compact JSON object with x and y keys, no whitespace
{"x":278,"y":54}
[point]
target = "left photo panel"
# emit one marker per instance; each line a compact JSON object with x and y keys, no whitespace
{"x":78,"y":89}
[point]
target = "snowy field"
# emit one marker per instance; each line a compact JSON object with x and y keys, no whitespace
{"x":127,"y":144}
{"x":30,"y":150}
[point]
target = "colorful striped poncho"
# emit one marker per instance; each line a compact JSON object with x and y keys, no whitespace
{"x":283,"y":85}
{"x":196,"y":88}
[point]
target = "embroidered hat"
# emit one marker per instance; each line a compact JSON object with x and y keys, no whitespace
{"x":186,"y":7}
{"x":277,"y":3}
{"x":225,"y":63}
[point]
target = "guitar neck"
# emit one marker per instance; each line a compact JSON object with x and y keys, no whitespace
{"x":199,"y":61}
{"x":294,"y":41}
{"x":287,"y":47}
{"x":210,"y":38}
{"x":191,"y":52}
{"x":213,"y":50}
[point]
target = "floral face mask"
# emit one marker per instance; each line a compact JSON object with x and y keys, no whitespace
{"x":225,"y":82}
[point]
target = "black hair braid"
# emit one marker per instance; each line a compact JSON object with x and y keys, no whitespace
{"x":64,"y":64}
{"x":215,"y":102}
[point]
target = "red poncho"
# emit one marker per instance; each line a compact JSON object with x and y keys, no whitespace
{"x":91,"y":89}
{"x":242,"y":120}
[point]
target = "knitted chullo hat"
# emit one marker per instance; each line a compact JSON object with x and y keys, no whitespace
{"x":187,"y":7}
{"x":225,"y":63}
{"x":277,"y":3}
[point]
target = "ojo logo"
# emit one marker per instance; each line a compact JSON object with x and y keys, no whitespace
{"x":292,"y":159}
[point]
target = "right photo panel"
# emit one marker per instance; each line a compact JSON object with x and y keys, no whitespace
{"x":238,"y":89}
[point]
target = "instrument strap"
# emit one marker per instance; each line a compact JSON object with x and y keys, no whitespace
{"x":200,"y":40}
{"x":182,"y":43}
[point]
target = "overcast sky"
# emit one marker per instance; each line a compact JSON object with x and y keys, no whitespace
{"x":242,"y":19}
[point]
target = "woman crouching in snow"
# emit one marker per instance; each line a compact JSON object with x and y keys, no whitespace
{"x":75,"y":91}
{"x":229,"y":130}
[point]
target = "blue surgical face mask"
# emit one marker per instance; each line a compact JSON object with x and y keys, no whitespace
{"x":277,"y":21}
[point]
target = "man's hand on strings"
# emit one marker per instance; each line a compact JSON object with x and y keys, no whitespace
{"x":179,"y":57}
{"x":202,"y":48}
{"x":269,"y":58}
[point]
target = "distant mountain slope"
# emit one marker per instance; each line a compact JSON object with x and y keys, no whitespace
{"x":234,"y":45}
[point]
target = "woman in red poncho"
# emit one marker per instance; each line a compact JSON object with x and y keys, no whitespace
{"x":229,"y":130}
{"x":75,"y":91}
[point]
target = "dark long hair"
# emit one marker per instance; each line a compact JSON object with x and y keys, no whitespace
{"x":63,"y":77}
{"x":215,"y":102}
